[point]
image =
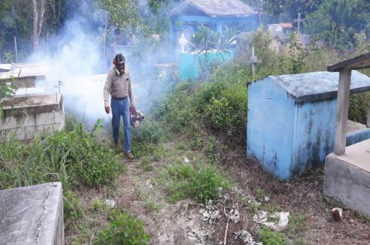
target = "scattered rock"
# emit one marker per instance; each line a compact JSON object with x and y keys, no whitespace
{"x":186,"y":160}
{"x":266,"y":199}
{"x":246,"y":237}
{"x":281,"y":218}
{"x":149,"y":183}
{"x":110,"y":203}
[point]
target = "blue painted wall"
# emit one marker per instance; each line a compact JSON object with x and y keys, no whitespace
{"x":270,"y":126}
{"x":287,"y":136}
{"x":358,"y":136}
{"x":189,"y":62}
{"x":313,"y":134}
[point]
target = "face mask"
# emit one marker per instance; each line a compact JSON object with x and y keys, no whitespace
{"x":120,"y":69}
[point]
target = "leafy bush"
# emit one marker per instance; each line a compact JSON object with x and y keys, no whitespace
{"x":146,"y":137}
{"x":358,"y":107}
{"x":73,"y":158}
{"x":177,"y":110}
{"x":186,"y":181}
{"x":123,"y":229}
{"x":84,"y":158}
{"x":269,"y":237}
{"x":224,"y":100}
{"x":148,"y":132}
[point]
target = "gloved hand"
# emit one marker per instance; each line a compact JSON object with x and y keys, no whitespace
{"x":107,"y":109}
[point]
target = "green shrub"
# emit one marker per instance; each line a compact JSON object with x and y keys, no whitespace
{"x":358,"y":107}
{"x":148,"y":132}
{"x":124,"y":228}
{"x":269,"y":237}
{"x":186,"y":181}
{"x":219,"y":114}
{"x":146,"y":137}
{"x":86,"y":160}
{"x":74,"y":158}
{"x":177,"y":110}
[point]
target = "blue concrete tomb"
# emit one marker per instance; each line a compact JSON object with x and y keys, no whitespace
{"x":291,"y":120}
{"x":190,"y":63}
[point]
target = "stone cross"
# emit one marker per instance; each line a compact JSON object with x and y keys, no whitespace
{"x":183,"y":41}
{"x":299,"y":21}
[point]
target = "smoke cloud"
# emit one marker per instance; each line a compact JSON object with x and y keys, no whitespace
{"x":77,"y":63}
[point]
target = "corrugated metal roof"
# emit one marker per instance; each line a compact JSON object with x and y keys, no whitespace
{"x":216,"y":8}
{"x":315,"y":86}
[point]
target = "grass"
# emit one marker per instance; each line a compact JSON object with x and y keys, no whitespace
{"x":201,"y":182}
{"x":151,"y":206}
{"x":260,"y":193}
{"x":146,"y":164}
{"x":269,"y":237}
{"x":297,"y":224}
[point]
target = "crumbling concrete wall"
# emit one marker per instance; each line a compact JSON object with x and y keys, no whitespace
{"x":32,"y":215}
{"x":27,"y":117}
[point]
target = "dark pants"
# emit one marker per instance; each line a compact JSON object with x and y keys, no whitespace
{"x":121,"y":108}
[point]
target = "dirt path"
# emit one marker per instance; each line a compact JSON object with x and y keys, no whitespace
{"x":252,"y":190}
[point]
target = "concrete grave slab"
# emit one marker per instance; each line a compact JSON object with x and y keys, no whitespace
{"x":32,"y":215}
{"x":347,"y":177}
{"x":28,"y":116}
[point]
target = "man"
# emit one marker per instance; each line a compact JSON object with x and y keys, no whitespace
{"x":118,"y":85}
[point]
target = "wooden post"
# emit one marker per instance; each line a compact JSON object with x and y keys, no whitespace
{"x":342,"y":111}
{"x":15,"y":48}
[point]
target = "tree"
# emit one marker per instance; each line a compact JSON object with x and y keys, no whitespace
{"x":38,"y":7}
{"x":337,"y":22}
{"x":287,"y":10}
{"x":123,"y":14}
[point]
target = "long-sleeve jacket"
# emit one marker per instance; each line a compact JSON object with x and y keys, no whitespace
{"x":118,"y":86}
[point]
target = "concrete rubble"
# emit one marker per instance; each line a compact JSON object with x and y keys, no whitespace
{"x":278,"y":221}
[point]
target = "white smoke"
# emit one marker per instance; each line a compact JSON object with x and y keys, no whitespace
{"x":77,"y":63}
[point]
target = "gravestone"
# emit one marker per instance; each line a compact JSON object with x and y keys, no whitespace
{"x":32,"y":215}
{"x":26,"y":117}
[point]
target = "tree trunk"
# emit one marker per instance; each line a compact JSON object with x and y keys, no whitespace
{"x":38,"y":19}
